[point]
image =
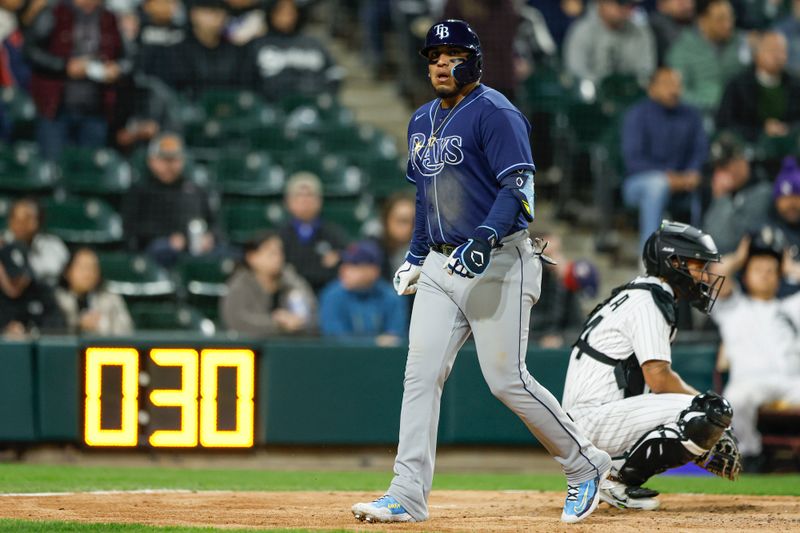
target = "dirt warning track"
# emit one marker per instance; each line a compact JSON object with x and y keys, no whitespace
{"x":450,"y":511}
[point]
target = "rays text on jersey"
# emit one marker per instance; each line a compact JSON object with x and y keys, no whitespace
{"x":429,"y":158}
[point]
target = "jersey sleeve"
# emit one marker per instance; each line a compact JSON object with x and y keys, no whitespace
{"x":505,"y":135}
{"x":650,"y":333}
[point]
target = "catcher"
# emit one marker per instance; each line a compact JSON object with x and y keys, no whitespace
{"x":620,"y":387}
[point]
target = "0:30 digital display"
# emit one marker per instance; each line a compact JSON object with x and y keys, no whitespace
{"x":169,"y":397}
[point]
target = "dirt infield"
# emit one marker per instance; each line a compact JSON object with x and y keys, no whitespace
{"x":450,"y":511}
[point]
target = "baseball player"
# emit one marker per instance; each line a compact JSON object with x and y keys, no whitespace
{"x":474,"y":270}
{"x":620,"y":387}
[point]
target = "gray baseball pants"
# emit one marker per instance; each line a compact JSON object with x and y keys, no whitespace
{"x":496,"y":309}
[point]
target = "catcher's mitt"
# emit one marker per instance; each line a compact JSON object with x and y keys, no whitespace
{"x":724,"y":459}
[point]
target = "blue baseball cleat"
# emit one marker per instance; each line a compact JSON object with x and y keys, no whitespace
{"x":582,"y":499}
{"x":384,"y":509}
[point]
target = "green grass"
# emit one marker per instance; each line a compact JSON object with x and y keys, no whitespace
{"x":51,"y":478}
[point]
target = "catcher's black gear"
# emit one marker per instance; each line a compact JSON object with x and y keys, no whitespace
{"x":706,"y":429}
{"x":665,"y":255}
{"x":724,"y":459}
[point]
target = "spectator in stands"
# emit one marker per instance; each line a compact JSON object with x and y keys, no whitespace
{"x":764,"y":100}
{"x":359,"y":303}
{"x":88,"y":307}
{"x":45,"y":253}
{"x":607,"y":41}
{"x":311,"y":244}
{"x":785,"y":215}
{"x":497,"y":22}
{"x":710,"y":54}
{"x":26,"y":306}
{"x":664,"y":147}
{"x":266,"y":297}
{"x":559,"y":15}
{"x":790,"y":28}
{"x":668,"y":22}
{"x":160,"y":26}
{"x":738,"y":204}
{"x":205,"y":59}
{"x":24,"y":11}
{"x":563,"y":287}
{"x":287,"y":62}
{"x":166,"y":214}
{"x":759,"y":335}
{"x":397,"y":221}
{"x":76,"y":52}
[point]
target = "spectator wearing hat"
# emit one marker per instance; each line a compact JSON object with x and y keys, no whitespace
{"x":166,"y":214}
{"x":286,"y":61}
{"x":26,"y":306}
{"x":88,"y":307}
{"x":607,"y":40}
{"x":785,"y":214}
{"x":764,"y":100}
{"x":664,"y":147}
{"x":759,"y":335}
{"x":45,"y":253}
{"x":710,"y":54}
{"x":205,"y":59}
{"x":266,"y":297}
{"x":312,"y":244}
{"x":739,"y":204}
{"x":76,"y":53}
{"x":360,"y":304}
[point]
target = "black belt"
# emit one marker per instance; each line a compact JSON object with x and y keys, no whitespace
{"x":445,"y":249}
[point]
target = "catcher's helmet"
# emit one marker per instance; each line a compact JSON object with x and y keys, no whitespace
{"x":457,"y":33}
{"x":665,"y":255}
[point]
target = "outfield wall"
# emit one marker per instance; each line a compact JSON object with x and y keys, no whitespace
{"x":306,"y":392}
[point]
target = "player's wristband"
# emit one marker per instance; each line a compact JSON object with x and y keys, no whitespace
{"x":415,"y":259}
{"x":486,"y":234}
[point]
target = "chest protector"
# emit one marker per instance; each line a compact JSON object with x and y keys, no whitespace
{"x":627,"y":372}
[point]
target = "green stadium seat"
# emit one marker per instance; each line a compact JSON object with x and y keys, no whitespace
{"x":354,"y":215}
{"x":774,"y":148}
{"x":169,"y":316}
{"x":249,"y":174}
{"x":204,"y":280}
{"x":338,"y":177}
{"x":228,"y":104}
{"x":244,"y":219}
{"x":83,"y":221}
{"x":23,"y":171}
{"x":285,"y":145}
{"x":21,"y":111}
{"x":385,"y":176}
{"x":588,"y":123}
{"x":618,"y":91}
{"x":322,"y":101}
{"x":135,"y":275}
{"x":92,"y":171}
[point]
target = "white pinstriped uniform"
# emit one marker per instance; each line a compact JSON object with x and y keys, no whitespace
{"x":762,"y":344}
{"x":631,"y":323}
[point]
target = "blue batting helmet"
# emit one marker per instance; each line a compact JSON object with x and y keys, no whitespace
{"x":457,"y":33}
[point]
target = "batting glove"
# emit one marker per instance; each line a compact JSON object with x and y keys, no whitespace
{"x":472,"y":258}
{"x":405,"y":279}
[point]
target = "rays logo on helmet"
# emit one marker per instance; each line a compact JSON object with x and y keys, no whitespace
{"x":442,"y":31}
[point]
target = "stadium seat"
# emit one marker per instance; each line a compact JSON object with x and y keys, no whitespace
{"x":243,"y":220}
{"x":548,"y":89}
{"x":228,"y":104}
{"x":83,"y":221}
{"x":91,"y":171}
{"x":23,"y":171}
{"x":204,"y":280}
{"x":774,"y":148}
{"x":249,"y":174}
{"x":5,"y":206}
{"x":354,"y":215}
{"x":21,"y":111}
{"x":135,"y":275}
{"x":285,"y":145}
{"x":169,"y":316}
{"x":385,"y":176}
{"x":618,"y":91}
{"x":339,"y":178}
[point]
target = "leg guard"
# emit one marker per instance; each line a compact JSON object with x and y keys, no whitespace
{"x":698,"y":428}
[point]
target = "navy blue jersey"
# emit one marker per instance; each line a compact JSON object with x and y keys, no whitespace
{"x":459,"y":163}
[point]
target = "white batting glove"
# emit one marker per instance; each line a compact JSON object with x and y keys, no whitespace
{"x":405,"y":279}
